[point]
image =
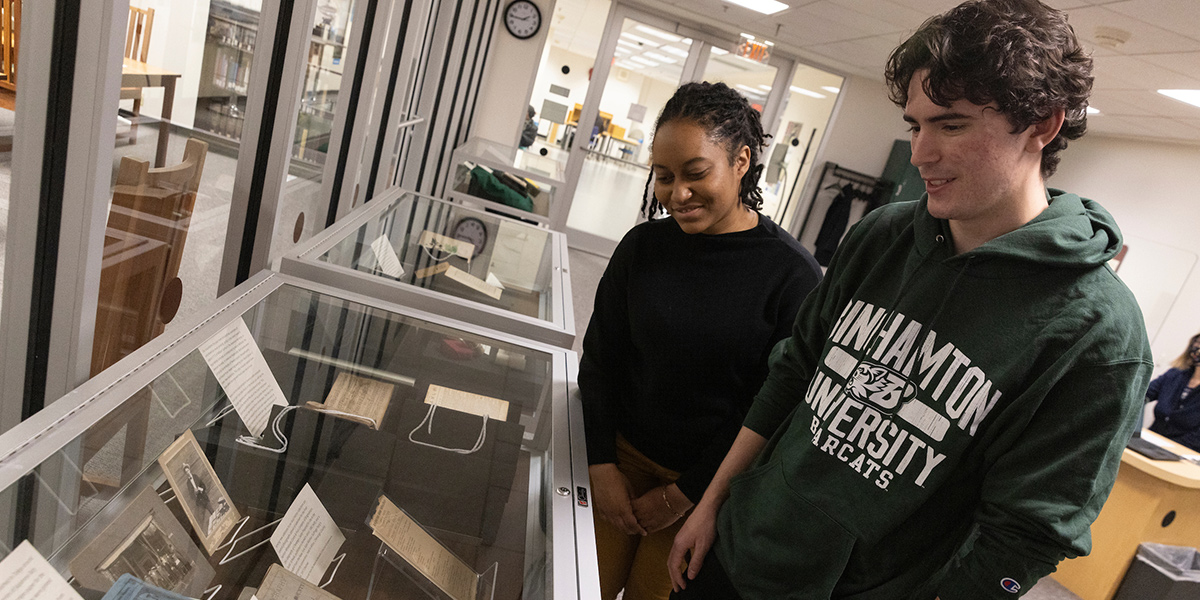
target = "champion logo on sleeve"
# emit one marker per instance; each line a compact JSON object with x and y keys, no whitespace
{"x":1010,"y":585}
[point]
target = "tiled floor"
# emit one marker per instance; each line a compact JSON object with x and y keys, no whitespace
{"x":586,"y":270}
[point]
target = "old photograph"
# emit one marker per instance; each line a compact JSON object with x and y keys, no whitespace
{"x":200,"y":493}
{"x":145,"y":541}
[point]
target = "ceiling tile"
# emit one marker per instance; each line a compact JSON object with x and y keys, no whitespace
{"x":899,"y":16}
{"x":1128,"y":72}
{"x":870,"y":54}
{"x":1144,"y":37}
{"x":1156,"y":104}
{"x":1173,"y":15}
{"x":1109,"y":105}
{"x":855,"y":24}
{"x":1187,"y":63}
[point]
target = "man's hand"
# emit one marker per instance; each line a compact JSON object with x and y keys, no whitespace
{"x":612,"y":497}
{"x":652,"y":511}
{"x":692,"y":543}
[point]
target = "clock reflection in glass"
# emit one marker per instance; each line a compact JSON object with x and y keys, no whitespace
{"x":470,"y":229}
{"x":522,"y":18}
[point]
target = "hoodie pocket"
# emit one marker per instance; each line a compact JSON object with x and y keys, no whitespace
{"x":778,"y":545}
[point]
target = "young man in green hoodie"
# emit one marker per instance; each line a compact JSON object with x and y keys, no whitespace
{"x":949,"y":414}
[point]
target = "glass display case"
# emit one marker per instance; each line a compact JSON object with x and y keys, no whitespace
{"x":516,"y":182}
{"x":448,"y":259}
{"x":300,"y":435}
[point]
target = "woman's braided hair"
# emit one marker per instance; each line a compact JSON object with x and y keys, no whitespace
{"x":729,"y":119}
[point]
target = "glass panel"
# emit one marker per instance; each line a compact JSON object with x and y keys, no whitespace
{"x":519,"y":183}
{"x":476,"y":484}
{"x":646,"y":71}
{"x":301,"y":206}
{"x":753,"y":80}
{"x":184,"y":78}
{"x":10,"y":18}
{"x":507,"y":265}
{"x":789,"y":160}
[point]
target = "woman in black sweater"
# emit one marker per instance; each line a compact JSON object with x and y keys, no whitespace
{"x":685,"y":316}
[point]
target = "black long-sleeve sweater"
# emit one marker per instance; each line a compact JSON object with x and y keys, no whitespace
{"x":678,"y":342}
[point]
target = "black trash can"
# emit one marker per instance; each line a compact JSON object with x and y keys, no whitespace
{"x":1162,"y":572}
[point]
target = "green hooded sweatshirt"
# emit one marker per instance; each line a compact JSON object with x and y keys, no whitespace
{"x":941,"y":425}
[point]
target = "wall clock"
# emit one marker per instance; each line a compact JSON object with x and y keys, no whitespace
{"x":522,"y":18}
{"x":470,"y":229}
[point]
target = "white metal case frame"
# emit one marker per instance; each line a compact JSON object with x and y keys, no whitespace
{"x":303,"y":261}
{"x":37,"y":439}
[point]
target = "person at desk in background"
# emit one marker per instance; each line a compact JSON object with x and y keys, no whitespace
{"x":685,"y":316}
{"x":950,"y":413}
{"x":529,"y":132}
{"x":1177,"y":414}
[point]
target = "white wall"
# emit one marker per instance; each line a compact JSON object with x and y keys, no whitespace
{"x":1151,"y":189}
{"x":177,"y":44}
{"x":511,"y":66}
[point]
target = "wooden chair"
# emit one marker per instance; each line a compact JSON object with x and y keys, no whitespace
{"x":149,"y":205}
{"x":10,"y":40}
{"x":137,"y":47}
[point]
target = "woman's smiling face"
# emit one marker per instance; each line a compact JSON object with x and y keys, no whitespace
{"x":695,"y":181}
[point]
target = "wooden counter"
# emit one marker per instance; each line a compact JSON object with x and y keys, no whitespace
{"x":1152,"y":501}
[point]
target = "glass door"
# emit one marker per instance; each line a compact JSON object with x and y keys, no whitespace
{"x":648,"y":65}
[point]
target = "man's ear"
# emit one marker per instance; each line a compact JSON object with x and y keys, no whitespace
{"x":1044,"y":131}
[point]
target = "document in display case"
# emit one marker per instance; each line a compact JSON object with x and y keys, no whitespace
{"x":473,"y":437}
{"x":448,"y":259}
{"x":519,"y":183}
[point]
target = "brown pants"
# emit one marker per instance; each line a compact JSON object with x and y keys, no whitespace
{"x":636,"y":563}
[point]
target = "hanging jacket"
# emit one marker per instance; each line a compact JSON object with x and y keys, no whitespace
{"x":940,"y":424}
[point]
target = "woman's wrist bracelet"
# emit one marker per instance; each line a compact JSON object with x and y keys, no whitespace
{"x":668,"y":503}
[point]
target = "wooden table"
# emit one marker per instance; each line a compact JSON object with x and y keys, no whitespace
{"x":137,"y":74}
{"x":1152,"y":501}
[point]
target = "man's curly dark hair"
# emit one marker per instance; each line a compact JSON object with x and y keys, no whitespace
{"x":729,"y":119}
{"x":1020,"y":54}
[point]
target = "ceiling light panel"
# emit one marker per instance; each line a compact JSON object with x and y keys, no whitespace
{"x":766,"y":7}
{"x":670,"y":37}
{"x":640,"y":60}
{"x":674,"y":50}
{"x":660,"y":58}
{"x":639,"y":39}
{"x":809,"y":93}
{"x":1189,"y":96}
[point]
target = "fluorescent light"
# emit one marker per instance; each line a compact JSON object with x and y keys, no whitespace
{"x":627,"y":43}
{"x":640,"y":60}
{"x":719,"y":51}
{"x":670,"y":37}
{"x":766,"y":7}
{"x":660,"y":58}
{"x":673,"y":50}
{"x":748,"y":36}
{"x":800,"y":90}
{"x":1190,"y":96}
{"x":766,"y":88}
{"x":831,"y":89}
{"x":1093,"y":111}
{"x":640,"y":39}
{"x":627,"y":65}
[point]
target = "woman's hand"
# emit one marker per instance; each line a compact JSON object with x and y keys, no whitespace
{"x":692,"y":544}
{"x":612,"y":497}
{"x":654,"y":513}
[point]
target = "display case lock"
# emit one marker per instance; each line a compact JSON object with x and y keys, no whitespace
{"x":564,"y":491}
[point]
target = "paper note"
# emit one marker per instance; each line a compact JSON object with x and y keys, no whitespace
{"x":281,"y":584}
{"x":483,"y":406}
{"x":473,"y":282}
{"x":492,"y":280}
{"x":307,"y":539}
{"x":129,"y":587}
{"x":27,"y":576}
{"x":386,"y":257}
{"x":240,"y":368}
{"x":357,"y":398}
{"x":436,"y":242}
{"x":517,"y":256}
{"x":434,"y":270}
{"x":422,"y":551}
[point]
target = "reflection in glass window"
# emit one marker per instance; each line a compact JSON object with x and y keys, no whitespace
{"x":184,"y":80}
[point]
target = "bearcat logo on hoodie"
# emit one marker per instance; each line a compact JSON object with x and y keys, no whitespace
{"x":881,"y":387}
